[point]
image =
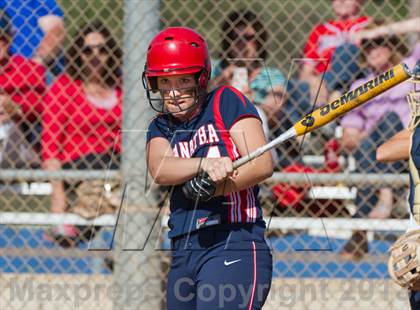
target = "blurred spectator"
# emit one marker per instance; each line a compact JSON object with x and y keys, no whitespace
{"x":295,"y":197}
{"x":82,"y":119}
{"x":39,"y":31}
{"x":331,"y":42}
{"x":401,"y":27}
{"x":15,"y":151}
{"x":371,"y":125}
{"x":242,"y":65}
{"x":21,"y":82}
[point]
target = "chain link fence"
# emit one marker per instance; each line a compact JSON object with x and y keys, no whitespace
{"x":72,"y":127}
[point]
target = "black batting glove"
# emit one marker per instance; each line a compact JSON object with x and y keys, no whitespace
{"x":200,"y":188}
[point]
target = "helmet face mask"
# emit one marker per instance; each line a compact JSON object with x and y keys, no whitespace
{"x":174,"y":97}
{"x":176,"y":51}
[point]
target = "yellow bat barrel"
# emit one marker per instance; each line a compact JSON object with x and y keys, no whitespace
{"x":352,"y":99}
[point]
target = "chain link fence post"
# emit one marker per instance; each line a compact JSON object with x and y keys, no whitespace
{"x":137,"y":268}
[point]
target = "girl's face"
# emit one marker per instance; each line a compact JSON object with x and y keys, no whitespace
{"x":245,"y":45}
{"x":178,"y":93}
{"x":346,"y":8}
{"x":94,"y":54}
{"x":379,"y":58}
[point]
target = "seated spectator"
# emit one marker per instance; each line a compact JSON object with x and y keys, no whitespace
{"x":330,"y":43}
{"x":21,"y":82}
{"x":15,"y":151}
{"x":291,"y":196}
{"x":241,"y":65}
{"x":371,"y":125}
{"x":41,"y":35}
{"x":83,"y":115}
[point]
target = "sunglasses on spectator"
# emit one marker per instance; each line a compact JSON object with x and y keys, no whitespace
{"x":244,"y":37}
{"x":89,"y":49}
{"x":373,"y":43}
{"x":249,"y":37}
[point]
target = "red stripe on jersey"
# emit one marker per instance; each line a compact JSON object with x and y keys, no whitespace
{"x":233,"y":207}
{"x":224,"y":134}
{"x":253,"y":207}
{"x":248,"y":213}
{"x":237,"y":207}
{"x":251,"y":210}
{"x":235,"y":149}
{"x":254,"y":281}
{"x":244,"y":205}
{"x":229,"y":208}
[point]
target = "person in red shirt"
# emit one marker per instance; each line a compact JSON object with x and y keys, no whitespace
{"x":326,"y":37}
{"x":22,"y":82}
{"x":324,"y":40}
{"x":15,"y":151}
{"x":83,"y":114}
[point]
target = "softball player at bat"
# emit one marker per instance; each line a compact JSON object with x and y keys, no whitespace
{"x":404,"y":263}
{"x":220,"y":258}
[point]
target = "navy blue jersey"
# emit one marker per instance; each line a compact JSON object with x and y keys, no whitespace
{"x":414,"y":167}
{"x":207,"y":135}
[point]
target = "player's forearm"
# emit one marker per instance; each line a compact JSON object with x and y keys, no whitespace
{"x":397,"y":148}
{"x":248,"y":175}
{"x":173,"y":170}
{"x":393,"y":151}
{"x":411,"y":25}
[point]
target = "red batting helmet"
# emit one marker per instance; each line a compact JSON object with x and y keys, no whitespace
{"x":176,"y":50}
